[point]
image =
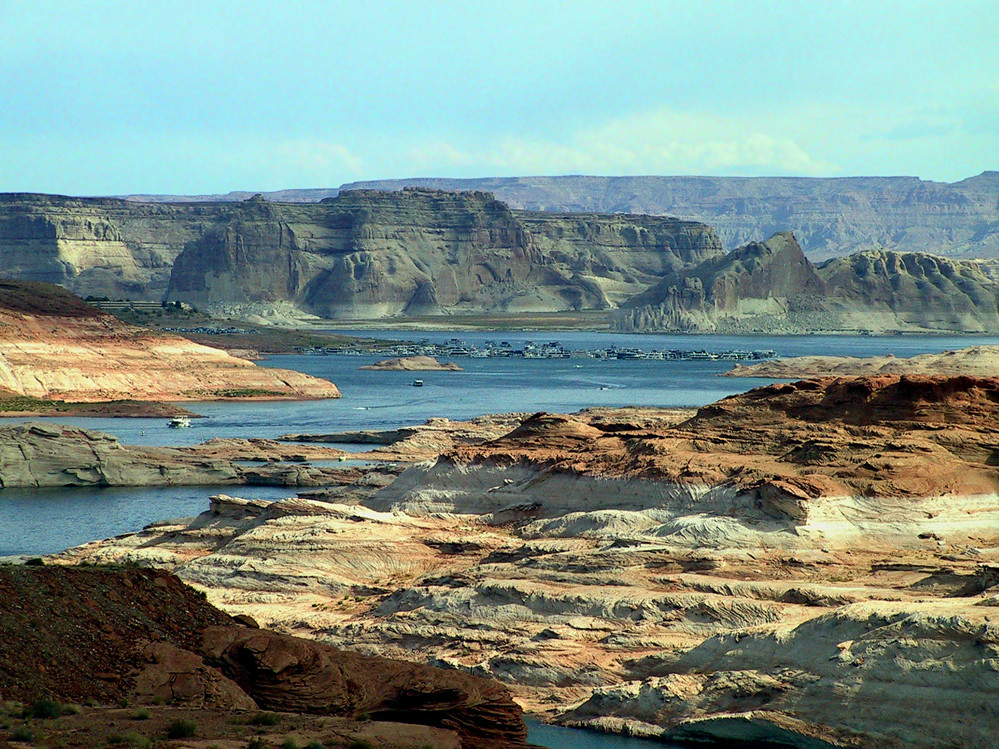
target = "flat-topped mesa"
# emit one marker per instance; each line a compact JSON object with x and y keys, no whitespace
{"x":54,"y":346}
{"x":414,"y":252}
{"x":361,"y":254}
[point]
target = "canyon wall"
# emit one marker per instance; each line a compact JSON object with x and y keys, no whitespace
{"x":830,"y":216}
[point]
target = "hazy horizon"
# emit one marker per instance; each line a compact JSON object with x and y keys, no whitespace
{"x":191,"y":98}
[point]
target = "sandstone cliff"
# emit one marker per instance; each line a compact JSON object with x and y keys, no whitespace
{"x":980,"y":361}
{"x":830,"y":216}
{"x":771,"y":287}
{"x":363,"y":254}
{"x":54,"y":346}
{"x":378,"y":254}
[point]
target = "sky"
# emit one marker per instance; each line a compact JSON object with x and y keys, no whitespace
{"x":192,"y":97}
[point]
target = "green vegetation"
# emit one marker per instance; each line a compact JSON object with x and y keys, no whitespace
{"x":360,"y":744}
{"x":132,"y":739}
{"x":22,"y":734}
{"x":16,"y":403}
{"x":265,"y":719}
{"x":182,"y":729}
{"x":141,"y":714}
{"x":289,"y":743}
{"x":43,"y":709}
{"x":256,"y":743}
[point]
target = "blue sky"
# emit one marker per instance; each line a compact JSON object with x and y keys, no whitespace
{"x":194,"y":97}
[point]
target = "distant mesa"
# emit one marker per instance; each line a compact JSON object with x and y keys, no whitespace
{"x":414,"y":364}
{"x":372,"y":254}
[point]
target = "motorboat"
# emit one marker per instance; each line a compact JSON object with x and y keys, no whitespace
{"x":179,"y":422}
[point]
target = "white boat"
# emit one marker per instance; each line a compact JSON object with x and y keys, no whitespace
{"x":417,"y":383}
{"x":179,"y":422}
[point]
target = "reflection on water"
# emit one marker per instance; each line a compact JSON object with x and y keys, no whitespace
{"x":44,"y":521}
{"x":557,"y":737}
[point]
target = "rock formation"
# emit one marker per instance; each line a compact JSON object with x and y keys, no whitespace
{"x":54,"y":346}
{"x":813,"y":564}
{"x":979,"y":361}
{"x":364,"y":254}
{"x":830,"y":216}
{"x":771,"y":287}
{"x":35,"y":454}
{"x":413,"y":364}
{"x":109,"y":635}
{"x":369,"y":254}
{"x":372,"y":254}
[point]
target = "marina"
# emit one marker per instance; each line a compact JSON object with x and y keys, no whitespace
{"x":457,"y":348}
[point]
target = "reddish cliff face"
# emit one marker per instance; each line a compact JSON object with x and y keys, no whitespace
{"x":886,"y":436}
{"x":55,"y":346}
{"x":113,"y":634}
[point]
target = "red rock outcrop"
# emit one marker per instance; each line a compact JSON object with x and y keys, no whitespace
{"x":111,"y":634}
{"x":890,"y":435}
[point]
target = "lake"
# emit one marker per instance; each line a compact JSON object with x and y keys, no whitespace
{"x":45,"y":521}
{"x":39,"y":521}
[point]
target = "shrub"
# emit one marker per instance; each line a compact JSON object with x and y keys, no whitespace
{"x":315,"y":745}
{"x":45,"y":709}
{"x":289,"y":743}
{"x":133,"y":739}
{"x":360,"y":744}
{"x":256,"y":743}
{"x":141,"y":713}
{"x":265,"y":719}
{"x":22,"y":733}
{"x":182,"y":729}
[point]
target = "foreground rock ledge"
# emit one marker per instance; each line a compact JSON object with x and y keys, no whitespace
{"x":813,"y":563}
{"x":109,"y":635}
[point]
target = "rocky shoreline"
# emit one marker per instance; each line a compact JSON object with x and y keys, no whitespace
{"x":814,"y":564}
{"x":116,"y":637}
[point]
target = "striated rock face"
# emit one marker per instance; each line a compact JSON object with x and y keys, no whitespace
{"x":413,"y":364}
{"x":368,"y":254}
{"x":772,"y":287}
{"x":54,"y":346}
{"x":364,"y":254}
{"x":830,"y":216}
{"x":115,"y":634}
{"x":979,"y":361}
{"x":372,"y":254}
{"x":811,"y":564}
{"x":33,"y":454}
{"x":98,"y":246}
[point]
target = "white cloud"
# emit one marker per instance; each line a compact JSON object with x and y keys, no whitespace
{"x":661,"y":141}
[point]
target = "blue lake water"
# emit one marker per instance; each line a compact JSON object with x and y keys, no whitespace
{"x":48,"y":520}
{"x":45,"y":521}
{"x":557,"y":737}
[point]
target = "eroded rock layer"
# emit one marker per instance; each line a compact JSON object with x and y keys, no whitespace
{"x":54,"y":346}
{"x":831,"y":216}
{"x":772,"y":287}
{"x":814,"y":564}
